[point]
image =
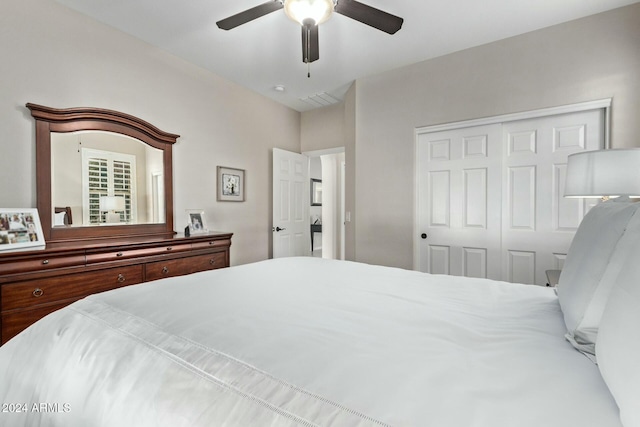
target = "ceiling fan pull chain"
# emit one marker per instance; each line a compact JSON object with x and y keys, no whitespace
{"x":308,"y":70}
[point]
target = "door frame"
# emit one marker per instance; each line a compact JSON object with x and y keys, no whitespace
{"x":337,"y":238}
{"x":604,"y":104}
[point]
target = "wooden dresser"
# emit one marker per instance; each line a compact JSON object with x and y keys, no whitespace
{"x":36,"y":283}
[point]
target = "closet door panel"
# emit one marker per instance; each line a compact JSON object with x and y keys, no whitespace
{"x":538,"y":223}
{"x":459,"y":191}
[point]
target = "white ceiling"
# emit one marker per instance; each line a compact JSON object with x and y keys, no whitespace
{"x":267,"y":52}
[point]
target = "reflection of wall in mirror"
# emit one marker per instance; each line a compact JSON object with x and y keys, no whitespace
{"x":66,"y":165}
{"x":154,"y":197}
{"x":155,"y":186}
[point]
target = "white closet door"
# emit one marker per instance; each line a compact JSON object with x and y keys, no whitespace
{"x":459,"y":201}
{"x":538,"y":223}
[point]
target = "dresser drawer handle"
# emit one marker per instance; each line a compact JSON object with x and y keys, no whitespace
{"x":169,"y":248}
{"x":121,"y":278}
{"x":37,"y":292}
{"x":45,"y":262}
{"x":212,"y":261}
{"x":165,"y":270}
{"x":119,"y":254}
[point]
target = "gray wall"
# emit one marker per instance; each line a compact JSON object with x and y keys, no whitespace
{"x":323,"y":128}
{"x":56,"y":57}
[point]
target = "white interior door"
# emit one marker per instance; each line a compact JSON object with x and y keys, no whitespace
{"x":291,"y":229}
{"x":459,"y":192}
{"x":538,"y":222}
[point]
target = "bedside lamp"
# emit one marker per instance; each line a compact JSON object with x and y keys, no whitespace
{"x":603,"y":174}
{"x":111,"y":204}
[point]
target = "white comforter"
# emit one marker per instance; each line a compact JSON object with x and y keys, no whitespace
{"x":309,"y":342}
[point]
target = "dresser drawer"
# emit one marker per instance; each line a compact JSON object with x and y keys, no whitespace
{"x":117,"y":255}
{"x":41,"y":263}
{"x":166,"y":268}
{"x":177,"y":267}
{"x":73,"y":286}
{"x":17,"y":321}
{"x":208,"y":262}
{"x":212,"y":244}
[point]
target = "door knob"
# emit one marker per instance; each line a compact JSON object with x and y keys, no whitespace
{"x":423,"y":235}
{"x":279,"y":229}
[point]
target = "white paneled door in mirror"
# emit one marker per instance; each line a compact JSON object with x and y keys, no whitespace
{"x":459,"y":201}
{"x":538,"y":222}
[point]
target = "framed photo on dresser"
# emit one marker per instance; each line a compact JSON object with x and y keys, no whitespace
{"x":20,"y":229}
{"x":197,"y":221}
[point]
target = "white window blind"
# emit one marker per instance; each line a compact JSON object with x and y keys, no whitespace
{"x":107,"y":173}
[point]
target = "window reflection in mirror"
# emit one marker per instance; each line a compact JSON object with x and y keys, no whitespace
{"x":106,"y":178}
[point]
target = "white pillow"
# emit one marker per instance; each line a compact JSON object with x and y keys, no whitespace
{"x":617,"y":263}
{"x":618,"y":344}
{"x":584,"y":267}
{"x":58,"y":218}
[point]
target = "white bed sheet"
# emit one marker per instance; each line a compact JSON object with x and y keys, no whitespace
{"x":305,"y":341}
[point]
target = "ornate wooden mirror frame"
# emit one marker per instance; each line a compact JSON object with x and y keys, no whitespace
{"x":50,"y":120}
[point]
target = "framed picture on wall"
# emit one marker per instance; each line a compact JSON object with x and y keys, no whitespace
{"x":197,"y":221}
{"x":230,"y":185}
{"x":20,"y":229}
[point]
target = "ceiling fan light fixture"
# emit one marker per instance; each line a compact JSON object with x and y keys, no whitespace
{"x":300,"y":10}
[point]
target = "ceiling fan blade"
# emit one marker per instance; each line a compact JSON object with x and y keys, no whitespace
{"x":371,"y":16}
{"x":310,"y":44}
{"x":249,"y":15}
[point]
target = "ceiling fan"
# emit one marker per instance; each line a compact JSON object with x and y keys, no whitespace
{"x":310,"y":13}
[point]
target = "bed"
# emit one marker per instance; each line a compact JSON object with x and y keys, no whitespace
{"x":313,"y":342}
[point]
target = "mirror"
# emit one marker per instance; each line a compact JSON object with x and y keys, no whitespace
{"x":101,"y":173}
{"x":88,"y":167}
{"x":316,"y":192}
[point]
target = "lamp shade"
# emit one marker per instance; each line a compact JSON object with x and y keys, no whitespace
{"x":301,"y":10}
{"x":112,"y":203}
{"x":603,"y":173}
